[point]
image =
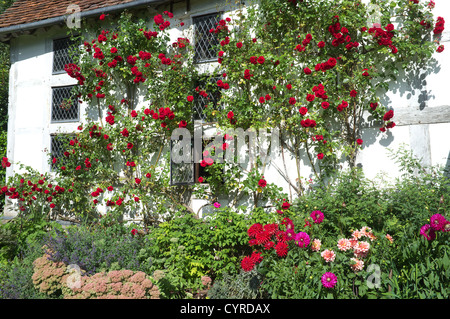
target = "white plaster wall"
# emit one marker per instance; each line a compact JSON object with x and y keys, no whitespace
{"x":30,"y":100}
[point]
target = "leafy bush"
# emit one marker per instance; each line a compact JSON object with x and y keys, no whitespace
{"x":244,"y":285}
{"x":95,"y":249}
{"x":188,"y":248}
{"x":16,"y":276}
{"x":398,"y":260}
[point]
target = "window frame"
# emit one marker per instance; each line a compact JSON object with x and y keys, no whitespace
{"x":67,"y":56}
{"x":53,"y":139}
{"x":219,"y":16}
{"x":75,"y":101}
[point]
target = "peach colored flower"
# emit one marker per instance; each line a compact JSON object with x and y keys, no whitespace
{"x":328,"y":255}
{"x":357,"y":234}
{"x":357,"y":264}
{"x":344,"y":244}
{"x":362,"y":247}
{"x":389,"y":237}
{"x":315,"y":246}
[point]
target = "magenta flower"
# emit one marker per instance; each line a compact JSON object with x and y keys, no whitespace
{"x":428,"y":232}
{"x":317,"y":216}
{"x":329,"y":280}
{"x":216,"y":205}
{"x":302,"y":239}
{"x":437,"y":222}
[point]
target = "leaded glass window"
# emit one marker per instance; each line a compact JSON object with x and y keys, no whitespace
{"x":205,"y":41}
{"x":65,"y":106}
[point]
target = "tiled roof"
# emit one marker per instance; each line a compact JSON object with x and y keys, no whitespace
{"x":27,"y":11}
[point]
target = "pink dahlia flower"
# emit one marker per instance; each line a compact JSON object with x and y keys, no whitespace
{"x":317,"y":216}
{"x":344,"y":244}
{"x":428,"y":232}
{"x":357,"y":264}
{"x":328,"y":255}
{"x":437,"y":221}
{"x":302,"y":239}
{"x":315,"y":245}
{"x":329,"y":280}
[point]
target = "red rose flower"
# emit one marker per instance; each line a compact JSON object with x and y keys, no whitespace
{"x":307,"y":70}
{"x":200,"y":179}
{"x":292,"y":100}
{"x":285,"y":205}
{"x":388,"y":115}
{"x":137,"y":180}
{"x":325,"y":105}
{"x":239,"y":45}
{"x":303,"y":110}
{"x":262,"y":182}
{"x":190,"y":98}
{"x":359,"y":141}
{"x":261,"y":60}
{"x":320,"y":156}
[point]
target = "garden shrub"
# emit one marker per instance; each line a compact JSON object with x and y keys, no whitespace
{"x":47,"y":276}
{"x":244,"y":285}
{"x":16,"y":275}
{"x":54,"y":280}
{"x":116,"y":284}
{"x":94,"y":249}
{"x":403,"y":246}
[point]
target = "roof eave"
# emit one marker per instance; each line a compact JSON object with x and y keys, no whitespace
{"x":20,"y":28}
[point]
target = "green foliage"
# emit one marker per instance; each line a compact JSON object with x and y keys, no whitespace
{"x":16,"y":276}
{"x":244,"y":285}
{"x":17,"y":234}
{"x":409,"y":267}
{"x":188,"y":248}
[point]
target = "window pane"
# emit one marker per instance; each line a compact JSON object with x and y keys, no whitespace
{"x":59,"y":145}
{"x":61,"y":55}
{"x":65,"y":105}
{"x":180,"y":173}
{"x":205,"y":41}
{"x":209,"y":85}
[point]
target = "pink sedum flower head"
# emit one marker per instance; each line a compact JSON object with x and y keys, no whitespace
{"x":329,"y":280}
{"x":302,"y":239}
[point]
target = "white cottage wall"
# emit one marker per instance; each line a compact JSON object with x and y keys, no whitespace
{"x":420,"y":103}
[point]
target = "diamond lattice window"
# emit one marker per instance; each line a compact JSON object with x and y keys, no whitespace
{"x":205,"y":41}
{"x":209,"y":85}
{"x":65,"y":107}
{"x":61,"y":54}
{"x":58,"y":145}
{"x":181,"y":173}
